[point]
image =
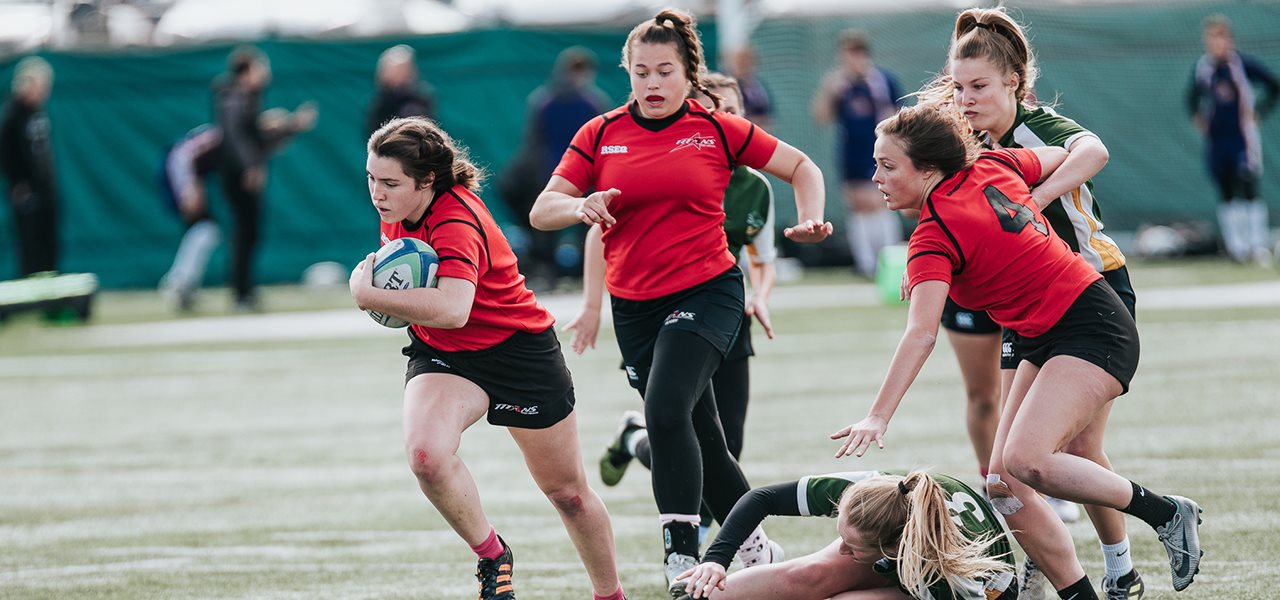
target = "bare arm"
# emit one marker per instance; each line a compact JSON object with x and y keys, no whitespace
{"x":1051,"y":157}
{"x":586,"y":325}
{"x":446,"y":306}
{"x":1085,"y":158}
{"x":561,"y":205}
{"x":927,"y":299}
{"x":795,"y":168}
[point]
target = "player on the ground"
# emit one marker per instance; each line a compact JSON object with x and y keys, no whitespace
{"x":480,"y":345}
{"x":902,"y":535}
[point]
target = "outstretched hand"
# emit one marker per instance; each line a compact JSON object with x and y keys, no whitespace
{"x":595,"y":208}
{"x":704,"y":579}
{"x":861,"y":435}
{"x":809,"y":231}
{"x":585,"y":327}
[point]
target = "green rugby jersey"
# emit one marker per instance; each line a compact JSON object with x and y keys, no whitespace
{"x":1076,"y":216}
{"x":820,"y":496}
{"x":748,"y":214}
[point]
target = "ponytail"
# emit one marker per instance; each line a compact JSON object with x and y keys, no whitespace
{"x":908,"y":519}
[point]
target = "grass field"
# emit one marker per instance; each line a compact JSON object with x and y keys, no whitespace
{"x":261,"y":458}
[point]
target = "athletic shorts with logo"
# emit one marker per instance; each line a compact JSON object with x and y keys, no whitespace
{"x":712,"y":310}
{"x":1118,"y":279}
{"x":1096,"y":328}
{"x":525,"y":376}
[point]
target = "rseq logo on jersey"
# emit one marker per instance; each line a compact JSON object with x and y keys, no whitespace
{"x":524,"y":410}
{"x":385,"y":239}
{"x":679,"y":315}
{"x":613,"y":150}
{"x":696,"y":141}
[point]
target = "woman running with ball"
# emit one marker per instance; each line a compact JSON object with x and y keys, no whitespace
{"x":480,"y":345}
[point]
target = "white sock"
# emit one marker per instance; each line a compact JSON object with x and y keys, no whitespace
{"x":1259,"y":231}
{"x":755,"y":551}
{"x":1232,"y":227}
{"x":633,"y":440}
{"x":192,"y":257}
{"x":1119,"y":561}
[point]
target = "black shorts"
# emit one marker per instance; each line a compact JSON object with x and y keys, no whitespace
{"x":1118,"y":279}
{"x":742,"y":347}
{"x":712,"y":310}
{"x":962,"y":320}
{"x":1096,"y":328}
{"x":526,"y":379}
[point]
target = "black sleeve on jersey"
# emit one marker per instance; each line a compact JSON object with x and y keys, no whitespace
{"x":748,"y":513}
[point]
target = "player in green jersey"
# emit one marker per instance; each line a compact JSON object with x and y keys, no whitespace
{"x":901,"y":535}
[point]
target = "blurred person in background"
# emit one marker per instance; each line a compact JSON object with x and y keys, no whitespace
{"x":757,"y":102}
{"x":26,"y":157}
{"x":556,"y":110}
{"x":400,"y":91}
{"x":1227,"y":112}
{"x":856,"y":96}
{"x":182,"y":186}
{"x":242,"y":161}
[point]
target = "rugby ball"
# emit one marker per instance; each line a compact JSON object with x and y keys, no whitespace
{"x":402,"y":264}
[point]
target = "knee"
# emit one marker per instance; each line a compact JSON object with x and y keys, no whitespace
{"x":569,"y":500}
{"x":982,"y":402}
{"x":428,"y":464}
{"x":663,"y":422}
{"x":1025,"y":465}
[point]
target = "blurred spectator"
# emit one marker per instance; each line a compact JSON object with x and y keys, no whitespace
{"x":26,"y":156}
{"x":857,"y":95}
{"x":556,"y":110}
{"x":182,"y":184}
{"x":1221,"y":98}
{"x":400,"y":92}
{"x":242,"y":158}
{"x":756,"y":99}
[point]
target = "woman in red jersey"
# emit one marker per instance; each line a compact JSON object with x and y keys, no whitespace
{"x":981,"y":240}
{"x":480,"y":344}
{"x":659,"y":167}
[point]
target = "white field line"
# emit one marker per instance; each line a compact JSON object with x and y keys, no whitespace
{"x":348,"y":323}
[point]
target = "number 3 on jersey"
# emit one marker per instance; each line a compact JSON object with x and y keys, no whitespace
{"x":1021,"y":216}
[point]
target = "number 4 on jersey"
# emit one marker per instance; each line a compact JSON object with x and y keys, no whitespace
{"x":1021,"y":214}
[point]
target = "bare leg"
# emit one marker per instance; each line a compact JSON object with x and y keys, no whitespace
{"x":1108,"y":522}
{"x":1038,"y":530}
{"x":555,"y":462}
{"x":979,"y":359}
{"x":437,"y":408}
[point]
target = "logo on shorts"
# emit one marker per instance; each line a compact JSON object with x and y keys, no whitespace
{"x":679,"y":315}
{"x":631,"y":373}
{"x":1006,"y":349}
{"x":696,"y":141}
{"x":515,"y":408}
{"x":964,"y":319}
{"x":613,"y":150}
{"x":441,"y":363}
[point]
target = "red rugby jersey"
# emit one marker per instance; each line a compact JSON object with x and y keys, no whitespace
{"x":459,"y":227}
{"x":980,"y":232}
{"x":672,"y":173}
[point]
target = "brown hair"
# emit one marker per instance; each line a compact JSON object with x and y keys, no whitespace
{"x":1216,"y":21}
{"x":908,"y":520}
{"x":988,"y":33}
{"x":934,"y":136}
{"x":678,"y":28}
{"x":716,"y":80}
{"x":424,"y":149}
{"x":855,"y":40}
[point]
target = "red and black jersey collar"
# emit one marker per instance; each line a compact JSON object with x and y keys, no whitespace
{"x":656,"y":125}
